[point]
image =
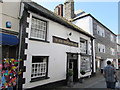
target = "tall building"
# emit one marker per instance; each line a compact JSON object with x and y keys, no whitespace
{"x":9,"y":28}
{"x":59,"y":10}
{"x":105,"y":39}
{"x":118,"y":49}
{"x":69,"y":9}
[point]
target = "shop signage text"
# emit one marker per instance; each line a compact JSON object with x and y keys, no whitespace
{"x":64,"y":41}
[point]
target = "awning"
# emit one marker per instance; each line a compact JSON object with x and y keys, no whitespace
{"x":6,"y":39}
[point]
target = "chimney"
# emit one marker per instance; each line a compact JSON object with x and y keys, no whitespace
{"x":59,"y":10}
{"x":69,"y":9}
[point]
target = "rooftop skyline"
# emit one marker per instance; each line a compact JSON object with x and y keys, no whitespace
{"x":105,"y":12}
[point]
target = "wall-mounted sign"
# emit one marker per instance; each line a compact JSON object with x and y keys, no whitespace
{"x":64,"y":41}
{"x":8,"y":24}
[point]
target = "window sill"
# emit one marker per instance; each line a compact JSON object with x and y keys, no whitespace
{"x":84,"y":54}
{"x":38,"y":79}
{"x":39,"y":40}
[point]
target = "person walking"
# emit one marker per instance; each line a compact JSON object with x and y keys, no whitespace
{"x":109,"y":73}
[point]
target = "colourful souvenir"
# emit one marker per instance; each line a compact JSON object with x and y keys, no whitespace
{"x":0,"y":66}
{"x":9,"y":71}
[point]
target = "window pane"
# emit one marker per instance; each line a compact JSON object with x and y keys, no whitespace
{"x":39,"y":65}
{"x":85,"y":63}
{"x":38,"y":29}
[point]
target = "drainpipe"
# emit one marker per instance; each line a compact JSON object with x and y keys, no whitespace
{"x":19,"y":81}
{"x":93,"y":60}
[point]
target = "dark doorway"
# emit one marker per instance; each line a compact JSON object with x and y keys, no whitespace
{"x":9,"y":51}
{"x":72,"y":63}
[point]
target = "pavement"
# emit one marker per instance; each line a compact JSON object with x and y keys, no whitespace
{"x":94,"y":82}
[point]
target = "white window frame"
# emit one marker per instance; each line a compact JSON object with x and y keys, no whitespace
{"x":85,"y":63}
{"x":112,"y":51}
{"x":84,"y":46}
{"x":101,"y":31}
{"x":111,"y":37}
{"x":39,"y":29}
{"x":30,"y":26}
{"x":39,"y":69}
{"x":101,"y":48}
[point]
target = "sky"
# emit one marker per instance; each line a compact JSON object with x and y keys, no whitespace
{"x":104,"y":11}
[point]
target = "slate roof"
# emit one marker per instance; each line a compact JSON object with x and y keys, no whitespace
{"x":87,"y":14}
{"x":40,"y":10}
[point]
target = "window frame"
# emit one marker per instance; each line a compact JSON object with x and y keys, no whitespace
{"x":46,"y":75}
{"x":86,"y":41}
{"x":86,"y":63}
{"x":101,"y":48}
{"x":32,"y":15}
{"x":112,"y":51}
{"x":112,"y":37}
{"x":100,"y":31}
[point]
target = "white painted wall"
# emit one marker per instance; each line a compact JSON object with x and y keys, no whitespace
{"x":56,"y":52}
{"x":85,"y":23}
{"x":94,"y":55}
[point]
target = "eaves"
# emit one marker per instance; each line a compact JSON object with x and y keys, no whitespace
{"x":38,"y":9}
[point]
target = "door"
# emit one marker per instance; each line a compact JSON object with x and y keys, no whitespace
{"x":72,"y":64}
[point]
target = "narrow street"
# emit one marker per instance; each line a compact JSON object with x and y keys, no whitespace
{"x":97,"y":81}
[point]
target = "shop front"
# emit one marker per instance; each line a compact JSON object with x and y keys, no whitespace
{"x":85,"y":69}
{"x":9,"y":69}
{"x":9,"y":44}
{"x":72,"y":64}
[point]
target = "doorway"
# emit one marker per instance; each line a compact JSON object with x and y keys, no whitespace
{"x":72,"y":64}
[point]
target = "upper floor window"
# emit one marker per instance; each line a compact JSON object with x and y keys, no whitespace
{"x":83,"y":45}
{"x":101,"y":48}
{"x":112,"y":38}
{"x":38,"y":29}
{"x":100,"y":31}
{"x":112,"y":51}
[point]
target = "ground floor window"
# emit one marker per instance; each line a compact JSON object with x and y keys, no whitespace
{"x":39,"y":67}
{"x":85,"y":63}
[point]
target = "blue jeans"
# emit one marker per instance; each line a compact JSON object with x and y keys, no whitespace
{"x":10,"y":88}
{"x":110,"y":85}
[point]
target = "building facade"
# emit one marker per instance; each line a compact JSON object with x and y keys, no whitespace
{"x":118,"y":49}
{"x":105,"y":40}
{"x":9,"y":28}
{"x":50,"y":46}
